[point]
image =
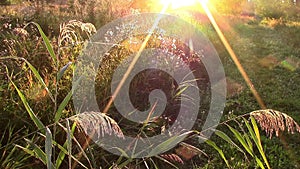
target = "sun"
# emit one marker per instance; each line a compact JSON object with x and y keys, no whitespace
{"x":178,"y":3}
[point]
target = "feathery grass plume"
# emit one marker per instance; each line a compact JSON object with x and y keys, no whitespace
{"x":21,"y":32}
{"x":74,"y":32}
{"x":98,"y":123}
{"x":172,"y":158}
{"x":275,"y":121}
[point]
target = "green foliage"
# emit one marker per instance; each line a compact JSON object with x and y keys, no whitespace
{"x":32,"y":115}
{"x":214,"y":145}
{"x":47,"y":44}
{"x":10,"y":156}
{"x":243,"y":139}
{"x":276,"y":9}
{"x":61,"y":147}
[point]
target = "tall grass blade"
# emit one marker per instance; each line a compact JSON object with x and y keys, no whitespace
{"x":181,"y":91}
{"x":64,"y":103}
{"x":259,"y":162}
{"x":46,"y":42}
{"x":48,"y":148}
{"x":69,"y":142}
{"x":228,"y":140}
{"x":168,"y":144}
{"x":38,"y":76}
{"x":123,"y":153}
{"x":37,"y":151}
{"x":82,"y":152}
{"x":10,"y":162}
{"x":256,"y":130}
{"x":61,"y":155}
{"x":241,"y":139}
{"x":123,"y":165}
{"x":33,"y":117}
{"x":214,"y":145}
{"x":248,"y":141}
{"x":34,"y":71}
{"x":26,"y":150}
{"x":62,"y":106}
{"x":146,"y":165}
{"x":62,"y":71}
{"x":155,"y":166}
{"x":258,"y":141}
{"x":7,"y":129}
{"x":64,"y":149}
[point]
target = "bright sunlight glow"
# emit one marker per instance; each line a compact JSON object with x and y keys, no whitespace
{"x":178,"y":3}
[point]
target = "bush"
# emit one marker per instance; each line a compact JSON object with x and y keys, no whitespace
{"x":275,"y":9}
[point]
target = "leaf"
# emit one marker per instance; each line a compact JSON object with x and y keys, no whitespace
{"x":249,"y":142}
{"x":46,"y":42}
{"x":253,"y":136}
{"x":69,"y":140}
{"x":214,"y":145}
{"x":241,"y":140}
{"x":62,"y":71}
{"x":168,"y":144}
{"x":62,"y":106}
{"x":123,"y":153}
{"x":34,"y":71}
{"x":33,"y":117}
{"x":48,"y":148}
{"x":228,"y":139}
{"x":65,"y":148}
{"x":61,"y":155}
{"x":82,"y":152}
{"x":64,"y":151}
{"x":38,"y":152}
{"x":122,"y":165}
{"x":180,"y":91}
{"x":255,"y":127}
{"x":260,"y":164}
{"x":66,"y":100}
{"x":26,"y":150}
{"x":250,"y":130}
{"x":38,"y":76}
{"x":256,"y":138}
{"x":155,"y":166}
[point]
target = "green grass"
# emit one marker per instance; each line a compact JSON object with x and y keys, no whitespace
{"x":278,"y":86}
{"x":252,"y":40}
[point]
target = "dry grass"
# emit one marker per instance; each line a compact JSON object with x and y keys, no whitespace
{"x":74,"y":31}
{"x":275,"y":121}
{"x":98,"y":123}
{"x":172,"y":158}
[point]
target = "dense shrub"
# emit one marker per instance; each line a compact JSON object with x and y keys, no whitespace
{"x":276,"y":9}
